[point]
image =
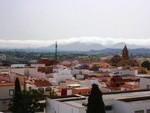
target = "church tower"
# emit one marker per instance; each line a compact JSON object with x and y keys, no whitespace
{"x":125,"y":53}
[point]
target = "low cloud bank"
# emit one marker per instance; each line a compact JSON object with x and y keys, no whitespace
{"x":100,"y":40}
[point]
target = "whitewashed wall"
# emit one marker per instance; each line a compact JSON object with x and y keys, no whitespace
{"x":144,"y":83}
{"x":53,"y":106}
{"x":122,"y":107}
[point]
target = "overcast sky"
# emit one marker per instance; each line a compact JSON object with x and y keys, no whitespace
{"x":41,"y":22}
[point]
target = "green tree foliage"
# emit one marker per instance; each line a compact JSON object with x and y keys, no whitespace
{"x":30,"y":101}
{"x":25,"y":101}
{"x":95,"y":101}
{"x":146,"y":64}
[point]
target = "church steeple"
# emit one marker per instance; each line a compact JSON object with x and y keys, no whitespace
{"x":125,"y":53}
{"x":125,"y":48}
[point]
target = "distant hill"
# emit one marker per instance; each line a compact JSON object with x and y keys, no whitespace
{"x":120,"y":45}
{"x":78,"y":46}
{"x":91,"y":48}
{"x":132,"y":52}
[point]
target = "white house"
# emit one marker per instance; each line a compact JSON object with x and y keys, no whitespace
{"x":145,"y":83}
{"x":18,"y":65}
{"x":41,"y":85}
{"x":81,"y":71}
{"x":125,"y":72}
{"x":7,"y":92}
{"x":125,"y":102}
{"x":61,"y":74}
{"x":28,"y":71}
{"x":134,"y":105}
{"x":104,"y":70}
{"x":4,"y":70}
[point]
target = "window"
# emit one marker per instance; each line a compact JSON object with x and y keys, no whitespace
{"x":147,"y":86}
{"x":108,"y":108}
{"x":30,"y":88}
{"x":148,"y":111}
{"x":11,"y":92}
{"x":139,"y":111}
{"x":41,"y":90}
{"x":48,"y":89}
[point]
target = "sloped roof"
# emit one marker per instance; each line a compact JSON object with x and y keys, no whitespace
{"x":130,"y":86}
{"x":42,"y":83}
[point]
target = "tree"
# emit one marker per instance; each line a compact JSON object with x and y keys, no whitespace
{"x":31,"y":101}
{"x":15,"y":103}
{"x":25,"y":101}
{"x":146,"y":64}
{"x":95,"y":101}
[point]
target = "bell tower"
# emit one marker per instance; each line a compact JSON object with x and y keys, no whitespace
{"x":125,"y":53}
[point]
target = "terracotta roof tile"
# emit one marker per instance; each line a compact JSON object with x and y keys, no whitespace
{"x":130,"y":86}
{"x":47,"y":62}
{"x":42,"y":83}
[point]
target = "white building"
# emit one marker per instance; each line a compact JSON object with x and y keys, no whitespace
{"x":63,"y":106}
{"x":41,"y":85}
{"x":126,"y":102}
{"x":18,"y":65}
{"x":7,"y":91}
{"x":28,"y":71}
{"x":106,"y":70}
{"x":145,"y":83}
{"x":132,"y":106}
{"x":4,"y":70}
{"x":61,"y":74}
{"x":126,"y":72}
{"x":81,"y":71}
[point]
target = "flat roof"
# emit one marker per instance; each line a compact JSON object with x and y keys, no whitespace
{"x":74,"y":85}
{"x":143,"y":75}
{"x":139,"y":102}
{"x":62,"y":97}
{"x":130,"y":97}
{"x":126,"y":95}
{"x":80,"y":88}
{"x":71,"y":99}
{"x":136,"y":99}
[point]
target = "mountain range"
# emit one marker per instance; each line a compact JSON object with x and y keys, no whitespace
{"x":79,"y":46}
{"x":91,"y":48}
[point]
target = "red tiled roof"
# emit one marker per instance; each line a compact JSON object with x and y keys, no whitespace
{"x":45,"y":69}
{"x":42,"y":83}
{"x":7,"y":83}
{"x":46,"y":61}
{"x":129,"y":86}
{"x":81,"y":90}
